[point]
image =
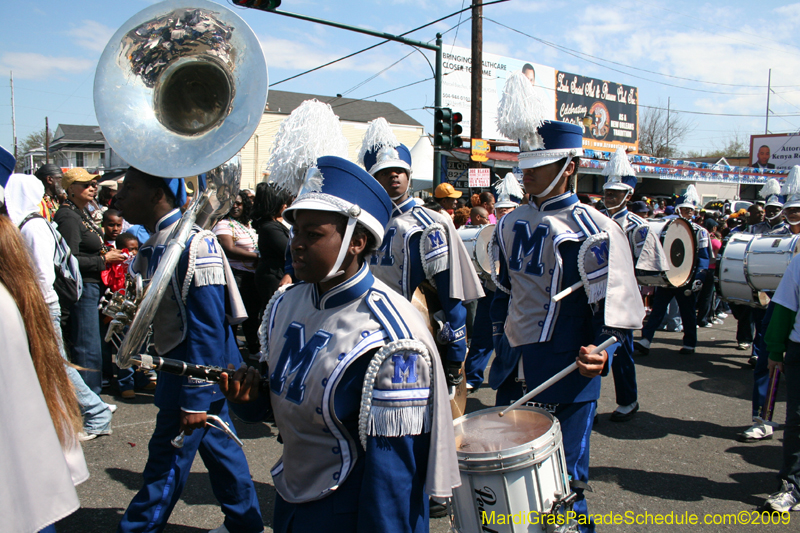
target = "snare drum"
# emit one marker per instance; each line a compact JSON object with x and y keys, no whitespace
{"x":678,"y":240}
{"x":477,"y":240}
{"x":514,"y":465}
{"x":767,"y":259}
{"x":733,"y":285}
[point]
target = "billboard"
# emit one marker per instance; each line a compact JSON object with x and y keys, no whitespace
{"x":612,"y":107}
{"x":457,"y":85}
{"x":567,"y":97}
{"x":780,"y":151}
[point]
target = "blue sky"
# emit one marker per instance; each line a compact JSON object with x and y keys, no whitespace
{"x":724,"y":48}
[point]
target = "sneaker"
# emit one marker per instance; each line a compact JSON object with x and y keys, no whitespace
{"x":784,"y":500}
{"x":470,"y":386}
{"x":743,"y":346}
{"x":623,"y":413}
{"x":717,"y":321}
{"x":436,"y":509}
{"x":642,"y":346}
{"x":83,"y":437}
{"x":128,"y":394}
{"x":686,"y":350}
{"x":758,"y":431}
{"x":112,"y":407}
{"x":708,"y":325}
{"x":722,"y":315}
{"x":752,"y":361}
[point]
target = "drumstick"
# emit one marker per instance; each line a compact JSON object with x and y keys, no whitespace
{"x":769,"y":405}
{"x":555,"y":379}
{"x":569,"y":290}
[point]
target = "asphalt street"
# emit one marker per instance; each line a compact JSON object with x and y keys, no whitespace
{"x":678,"y":455}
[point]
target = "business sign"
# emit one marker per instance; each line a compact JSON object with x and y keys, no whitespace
{"x":457,"y":86}
{"x":480,"y":150}
{"x":479,"y":177}
{"x":611,"y":107}
{"x":780,"y":152}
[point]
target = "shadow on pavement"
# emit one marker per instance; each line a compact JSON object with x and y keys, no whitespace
{"x":649,"y":426}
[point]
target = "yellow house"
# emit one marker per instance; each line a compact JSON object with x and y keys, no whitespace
{"x":354,"y":115}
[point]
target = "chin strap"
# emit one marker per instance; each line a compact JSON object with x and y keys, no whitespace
{"x":792,"y":223}
{"x":348,"y":234}
{"x":555,"y":180}
{"x":609,"y":208}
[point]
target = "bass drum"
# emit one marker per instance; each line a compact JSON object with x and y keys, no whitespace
{"x":767,"y":259}
{"x":733,"y":285}
{"x":678,"y":240}
{"x":477,"y":240}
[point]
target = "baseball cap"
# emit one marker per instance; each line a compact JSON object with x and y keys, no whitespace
{"x":76,"y":175}
{"x":445,"y":190}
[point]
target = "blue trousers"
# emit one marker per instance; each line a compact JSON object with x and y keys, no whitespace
{"x":576,"y":421}
{"x":791,"y":433}
{"x":86,"y":349}
{"x":686,"y":305}
{"x":624,"y":370}
{"x":480,"y":344}
{"x":168,"y":468}
{"x":761,"y":371}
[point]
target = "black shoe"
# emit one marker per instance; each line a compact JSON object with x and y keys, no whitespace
{"x":619,"y":417}
{"x":638,"y":348}
{"x":686,"y":351}
{"x":437,"y":510}
{"x":752,"y":361}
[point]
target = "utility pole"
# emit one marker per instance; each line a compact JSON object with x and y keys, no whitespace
{"x":769,"y":82}
{"x":46,"y":140}
{"x":667,"y":154}
{"x":13,"y":116}
{"x":476,"y":107}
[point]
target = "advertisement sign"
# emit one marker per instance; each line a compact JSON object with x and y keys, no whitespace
{"x":780,"y":152}
{"x":479,"y":177}
{"x":457,"y":85}
{"x":480,"y":150}
{"x":456,"y":171}
{"x":612,"y":108}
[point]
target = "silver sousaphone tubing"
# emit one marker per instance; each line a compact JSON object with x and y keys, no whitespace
{"x":179,"y":90}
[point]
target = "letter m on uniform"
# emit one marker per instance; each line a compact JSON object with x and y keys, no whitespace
{"x":296,"y":358}
{"x":436,"y":239}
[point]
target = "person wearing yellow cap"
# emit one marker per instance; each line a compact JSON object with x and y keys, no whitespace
{"x":446,"y":196}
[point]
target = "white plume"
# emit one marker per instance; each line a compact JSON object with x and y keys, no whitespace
{"x":508,"y":187}
{"x":379,"y":134}
{"x":792,"y":185}
{"x":520,"y":112}
{"x":771,"y":187}
{"x":691,"y":196}
{"x":619,"y":165}
{"x":308,"y":133}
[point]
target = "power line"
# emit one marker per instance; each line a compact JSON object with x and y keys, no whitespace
{"x":384,"y":92}
{"x":582,"y":56}
{"x":715,"y":114}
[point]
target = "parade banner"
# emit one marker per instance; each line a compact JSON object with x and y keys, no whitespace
{"x":780,"y":151}
{"x":457,"y":86}
{"x":612,"y":107}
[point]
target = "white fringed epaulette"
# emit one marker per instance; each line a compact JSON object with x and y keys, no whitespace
{"x":494,"y":251}
{"x":208,"y":269}
{"x":593,"y":266}
{"x":266,"y":320}
{"x":397,"y":395}
{"x":434,"y":251}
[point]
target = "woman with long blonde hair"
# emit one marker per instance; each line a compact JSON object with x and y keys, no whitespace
{"x":40,"y":456}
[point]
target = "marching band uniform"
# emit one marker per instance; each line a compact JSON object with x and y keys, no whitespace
{"x":191,"y":325}
{"x":686,"y":302}
{"x":648,"y":255}
{"x":420,"y":244}
{"x":354,"y":461}
{"x":538,"y":252}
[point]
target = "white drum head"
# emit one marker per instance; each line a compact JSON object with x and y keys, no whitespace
{"x":483,"y":255}
{"x":679,"y":246}
{"x":491,"y":433}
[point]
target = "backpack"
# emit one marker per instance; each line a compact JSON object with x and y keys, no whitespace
{"x":69,"y":283}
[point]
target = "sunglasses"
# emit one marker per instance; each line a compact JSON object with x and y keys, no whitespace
{"x":87,"y":184}
{"x":238,"y":203}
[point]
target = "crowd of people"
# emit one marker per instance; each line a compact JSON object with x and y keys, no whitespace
{"x":319,"y":267}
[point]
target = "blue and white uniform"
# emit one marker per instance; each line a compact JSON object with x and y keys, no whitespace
{"x":190,"y":325}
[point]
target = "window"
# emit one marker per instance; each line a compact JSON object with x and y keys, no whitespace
{"x":78,"y":159}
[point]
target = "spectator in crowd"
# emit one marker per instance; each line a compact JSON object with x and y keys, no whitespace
{"x":446,"y":195}
{"x":461,"y":217}
{"x":487,"y":202}
{"x":86,"y":241}
{"x":112,"y":227}
{"x":50,"y":176}
{"x":127,"y":241}
{"x":240,"y":242}
{"x":478,"y":216}
{"x":273,"y":238}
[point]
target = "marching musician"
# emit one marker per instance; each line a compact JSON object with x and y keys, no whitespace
{"x":772,"y":226}
{"x":648,"y":255}
{"x":686,"y":297}
{"x":358,"y":391}
{"x":190,"y":325}
{"x":539,"y":246}
{"x":420,"y":245}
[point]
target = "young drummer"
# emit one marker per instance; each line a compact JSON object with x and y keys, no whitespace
{"x":420,"y":244}
{"x":358,"y":393}
{"x":539,"y":251}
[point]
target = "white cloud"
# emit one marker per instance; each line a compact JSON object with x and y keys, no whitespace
{"x":91,"y":35}
{"x":299,"y":56}
{"x":32,"y":66}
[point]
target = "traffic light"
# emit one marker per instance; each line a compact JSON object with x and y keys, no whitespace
{"x":443,"y":127}
{"x":264,"y":5}
{"x":455,"y":130}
